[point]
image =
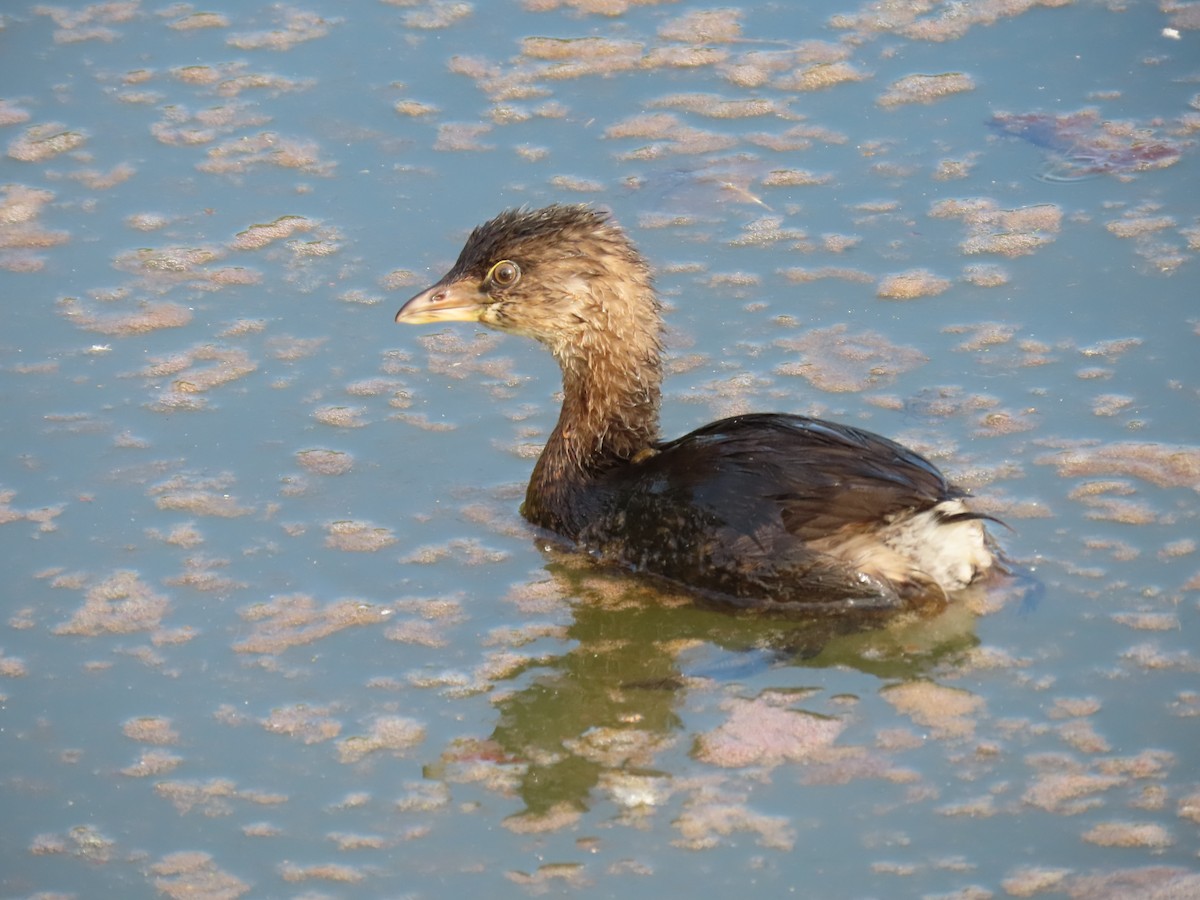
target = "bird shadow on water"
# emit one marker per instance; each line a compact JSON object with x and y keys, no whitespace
{"x":586,"y":723}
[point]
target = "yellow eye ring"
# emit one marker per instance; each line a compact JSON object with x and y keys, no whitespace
{"x":504,"y":274}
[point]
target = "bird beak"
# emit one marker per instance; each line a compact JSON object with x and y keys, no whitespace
{"x":457,"y":301}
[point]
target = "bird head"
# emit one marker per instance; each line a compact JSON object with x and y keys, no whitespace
{"x":553,"y":274}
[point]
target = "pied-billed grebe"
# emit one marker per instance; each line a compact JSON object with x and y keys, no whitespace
{"x":759,"y":510}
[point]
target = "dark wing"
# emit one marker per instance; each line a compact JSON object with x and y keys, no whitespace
{"x":733,"y":506}
{"x":816,"y":476}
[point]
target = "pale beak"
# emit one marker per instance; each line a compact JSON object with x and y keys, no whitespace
{"x":458,"y":301}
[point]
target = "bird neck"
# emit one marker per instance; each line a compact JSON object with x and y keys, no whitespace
{"x":612,"y":377}
{"x":610,"y":407}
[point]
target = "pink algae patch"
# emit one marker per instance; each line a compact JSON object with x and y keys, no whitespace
{"x":1067,"y":793}
{"x":418,"y":632}
{"x":947,"y":712}
{"x":190,"y":874}
{"x":120,"y":604}
{"x":925,"y":88}
{"x":151,"y":730}
{"x":794,"y":178}
{"x":409,"y":107}
{"x":820,"y":76}
{"x":22,"y":204}
{"x":394,"y":733}
{"x":1189,"y":808}
{"x":717,"y":107}
{"x":11,"y":114}
{"x":1030,"y":880}
{"x":44,"y":517}
{"x":41,"y":142}
{"x":1004,"y":232}
{"x":290,"y":871}
{"x":985,"y":275}
{"x":557,"y":817}
{"x":84,"y":842}
{"x":291,"y":348}
{"x":438,"y":15}
{"x":357,"y":537}
{"x":188,"y":378}
{"x":712,"y":815}
{"x":147,"y":317}
{"x":552,"y":877}
{"x":589,"y":7}
{"x":580,"y":49}
{"x":213,"y":797}
{"x":20,"y":232}
{"x":257,"y":236}
{"x":295,"y":27}
{"x":759,"y":732}
{"x":346,"y":841}
{"x":670,"y":133}
{"x":199,"y":496}
{"x":12,"y":666}
{"x":341,"y":416}
{"x":685,"y":57}
{"x":88,"y":22}
{"x":152,"y":763}
{"x":1150,"y":882}
{"x":1164,"y":465}
{"x":169,"y":263}
{"x":199,"y":20}
{"x":927,"y":21}
{"x":238,"y":155}
{"x":203,"y":573}
{"x":310,"y":724}
{"x":1129,"y":834}
{"x":294,"y":619}
{"x":461,"y":137}
{"x":911,"y":284}
{"x":832,"y":359}
{"x":580,"y":57}
{"x":705,"y":26}
{"x":801,"y":275}
{"x":325,"y":462}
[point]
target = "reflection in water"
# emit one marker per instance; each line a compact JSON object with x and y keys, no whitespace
{"x":699,"y":189}
{"x":1081,"y":144}
{"x":600,"y":713}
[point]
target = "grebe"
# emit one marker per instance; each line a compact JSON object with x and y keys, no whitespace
{"x":766,"y":510}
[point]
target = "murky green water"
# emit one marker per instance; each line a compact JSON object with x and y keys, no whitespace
{"x":272,"y":625}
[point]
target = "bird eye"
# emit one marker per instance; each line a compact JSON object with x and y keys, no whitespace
{"x":504,"y":273}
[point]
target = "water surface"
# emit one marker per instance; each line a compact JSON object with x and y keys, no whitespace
{"x":273,"y":626}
